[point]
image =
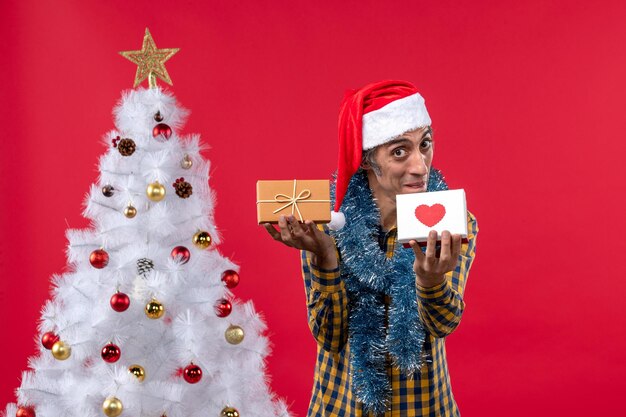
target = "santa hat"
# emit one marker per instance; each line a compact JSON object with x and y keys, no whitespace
{"x":369,"y":117}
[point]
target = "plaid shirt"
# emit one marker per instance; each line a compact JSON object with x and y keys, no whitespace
{"x":425,"y":393}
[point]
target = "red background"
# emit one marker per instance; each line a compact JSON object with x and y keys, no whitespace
{"x":527,"y":101}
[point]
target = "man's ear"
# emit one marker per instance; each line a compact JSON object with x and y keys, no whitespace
{"x":365,"y":165}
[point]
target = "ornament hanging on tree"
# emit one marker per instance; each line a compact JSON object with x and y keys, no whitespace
{"x":144,"y":266}
{"x":158,"y":117}
{"x":223,"y":307}
{"x":25,"y":411}
{"x":48,"y":339}
{"x":138,"y":372}
{"x":202,"y":239}
{"x":181,"y":254}
{"x":234,"y":335}
{"x":61,"y":351}
{"x":99,"y":258}
{"x":126,"y":147}
{"x":130,"y":211}
{"x":187,"y":162}
{"x":112,"y":407}
{"x":162,"y":131}
{"x":154,"y":309}
{"x":107,"y":190}
{"x":230,"y":412}
{"x":155,"y":192}
{"x":192,"y":373}
{"x":230,"y":278}
{"x":120,"y":302}
{"x":183,"y":188}
{"x":111,"y":353}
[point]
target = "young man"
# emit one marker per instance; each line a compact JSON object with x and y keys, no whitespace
{"x":380,"y":313}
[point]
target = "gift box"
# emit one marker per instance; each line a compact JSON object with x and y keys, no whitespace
{"x":419,"y":213}
{"x":304,"y":199}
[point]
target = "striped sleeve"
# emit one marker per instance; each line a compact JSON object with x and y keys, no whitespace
{"x":326,"y":304}
{"x":441,"y":307}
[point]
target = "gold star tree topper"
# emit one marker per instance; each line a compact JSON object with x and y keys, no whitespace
{"x":150,"y":61}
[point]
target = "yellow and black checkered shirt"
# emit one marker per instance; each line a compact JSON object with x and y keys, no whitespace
{"x":425,"y":393}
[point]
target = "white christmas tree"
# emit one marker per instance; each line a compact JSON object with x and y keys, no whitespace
{"x":145,"y":323}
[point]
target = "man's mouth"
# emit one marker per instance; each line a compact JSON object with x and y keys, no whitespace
{"x":416,"y":186}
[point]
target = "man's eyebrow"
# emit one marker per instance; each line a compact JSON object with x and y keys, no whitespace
{"x":396,"y":141}
{"x":428,"y":131}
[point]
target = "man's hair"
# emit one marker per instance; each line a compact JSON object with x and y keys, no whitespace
{"x":368,"y":158}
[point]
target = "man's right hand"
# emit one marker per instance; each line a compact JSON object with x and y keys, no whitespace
{"x":305,"y":236}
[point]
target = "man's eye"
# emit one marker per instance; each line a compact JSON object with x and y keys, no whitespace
{"x":426,"y":143}
{"x":399,"y":152}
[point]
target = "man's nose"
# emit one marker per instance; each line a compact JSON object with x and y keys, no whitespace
{"x":418,"y":164}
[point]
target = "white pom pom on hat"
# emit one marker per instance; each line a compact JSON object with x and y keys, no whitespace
{"x":369,"y":117}
{"x":337,"y":220}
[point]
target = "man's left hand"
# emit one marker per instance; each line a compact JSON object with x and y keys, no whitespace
{"x":429,"y":269}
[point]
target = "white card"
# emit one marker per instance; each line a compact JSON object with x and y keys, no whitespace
{"x":419,"y":213}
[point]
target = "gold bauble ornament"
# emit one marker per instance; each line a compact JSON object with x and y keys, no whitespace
{"x":187,"y":162}
{"x":155,"y":191}
{"x":61,"y":351}
{"x":138,"y":372}
{"x":202,"y":239}
{"x":112,"y":407}
{"x":130,"y":211}
{"x":234,"y":335}
{"x":154,"y":309}
{"x":229,"y":412}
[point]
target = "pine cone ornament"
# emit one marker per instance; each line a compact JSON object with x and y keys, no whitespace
{"x":126,"y":147}
{"x":144,"y":265}
{"x":183,"y":188}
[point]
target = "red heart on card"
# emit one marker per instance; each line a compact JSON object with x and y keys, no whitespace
{"x":430,"y":215}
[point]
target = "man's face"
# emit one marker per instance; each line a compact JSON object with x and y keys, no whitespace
{"x":404,"y":164}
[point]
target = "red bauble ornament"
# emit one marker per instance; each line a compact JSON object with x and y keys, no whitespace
{"x":120,"y":302}
{"x":230,"y":278}
{"x":181,"y":253}
{"x":99,"y":258}
{"x":192,"y":374}
{"x":48,"y":339}
{"x":163,"y":130}
{"x":111,"y":353}
{"x":223,"y":307}
{"x":25,"y":412}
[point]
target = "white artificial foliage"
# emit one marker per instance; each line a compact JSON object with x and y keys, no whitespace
{"x":49,"y":314}
{"x":141,"y":266}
